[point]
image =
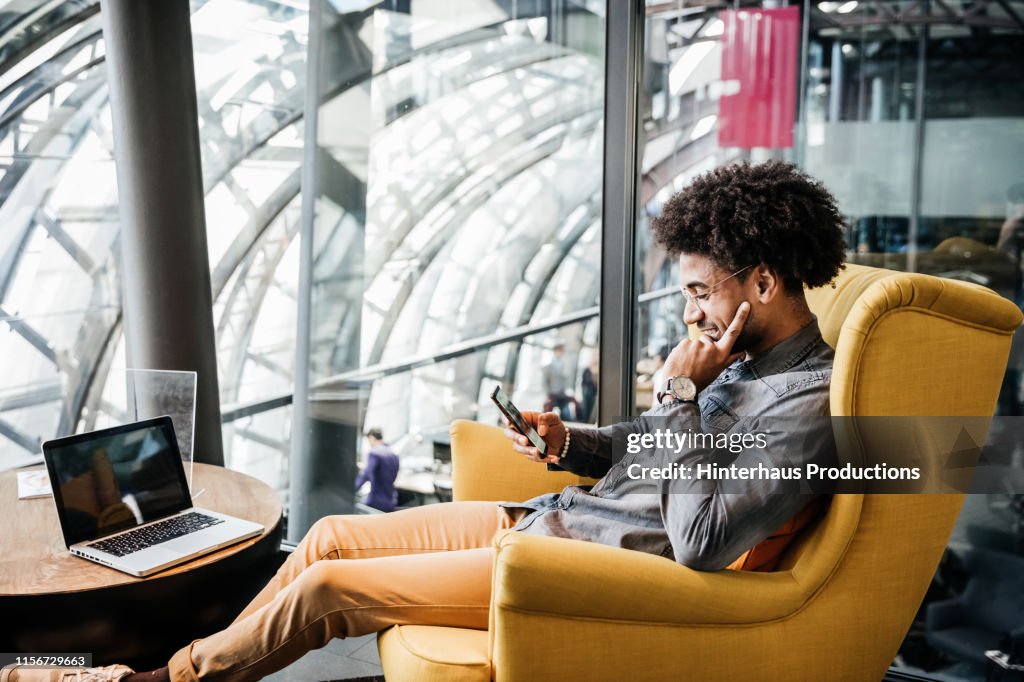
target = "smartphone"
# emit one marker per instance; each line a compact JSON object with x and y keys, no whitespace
{"x":515,"y":419}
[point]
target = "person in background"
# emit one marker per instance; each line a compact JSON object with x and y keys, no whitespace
{"x":588,"y":389}
{"x":381,"y":471}
{"x":556,"y":384}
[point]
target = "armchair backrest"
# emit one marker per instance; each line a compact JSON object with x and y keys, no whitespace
{"x":913,"y":345}
{"x":906,"y":345}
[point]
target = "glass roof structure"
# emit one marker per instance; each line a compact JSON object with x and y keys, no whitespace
{"x":509,"y":114}
{"x":58,"y":203}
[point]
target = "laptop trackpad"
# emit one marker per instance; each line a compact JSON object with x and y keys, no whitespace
{"x":157,"y":555}
{"x":208,"y":537}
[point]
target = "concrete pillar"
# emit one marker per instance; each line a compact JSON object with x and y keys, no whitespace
{"x":168,"y":307}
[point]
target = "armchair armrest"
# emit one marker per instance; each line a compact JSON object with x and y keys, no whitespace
{"x":572,"y":578}
{"x":485,"y":467}
{"x":944,"y":614}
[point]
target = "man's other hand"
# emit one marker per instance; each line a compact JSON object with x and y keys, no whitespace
{"x":549,"y":426}
{"x":703,"y":359}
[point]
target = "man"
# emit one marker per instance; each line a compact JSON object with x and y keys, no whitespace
{"x":556,"y":383}
{"x":748,"y":239}
{"x":381,"y":471}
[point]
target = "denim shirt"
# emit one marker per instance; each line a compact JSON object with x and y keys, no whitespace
{"x":703,"y":526}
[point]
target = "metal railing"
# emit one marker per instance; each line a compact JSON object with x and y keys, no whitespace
{"x":371,"y":373}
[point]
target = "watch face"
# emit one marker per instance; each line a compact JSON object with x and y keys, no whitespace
{"x":683,"y":388}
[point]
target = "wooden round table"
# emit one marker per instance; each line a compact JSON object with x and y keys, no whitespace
{"x":54,"y":602}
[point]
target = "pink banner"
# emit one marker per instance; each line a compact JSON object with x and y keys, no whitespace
{"x":759,"y":77}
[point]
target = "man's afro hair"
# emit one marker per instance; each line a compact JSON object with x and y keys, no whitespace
{"x":742,"y":215}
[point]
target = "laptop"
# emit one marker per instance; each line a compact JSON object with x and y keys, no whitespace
{"x":123,"y":500}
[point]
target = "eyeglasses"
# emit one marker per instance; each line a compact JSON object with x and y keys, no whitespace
{"x":697,"y":299}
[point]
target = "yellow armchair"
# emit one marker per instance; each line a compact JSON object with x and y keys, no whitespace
{"x":844,"y":593}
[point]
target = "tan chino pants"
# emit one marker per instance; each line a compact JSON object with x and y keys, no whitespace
{"x":353,"y":575}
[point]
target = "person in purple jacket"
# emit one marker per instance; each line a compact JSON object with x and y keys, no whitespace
{"x":381,"y":471}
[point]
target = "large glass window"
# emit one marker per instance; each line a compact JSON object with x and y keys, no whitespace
{"x":918,"y":129}
{"x":59,"y":270}
{"x":457,"y":229}
{"x":457,"y":223}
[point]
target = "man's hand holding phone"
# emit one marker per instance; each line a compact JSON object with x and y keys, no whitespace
{"x":549,"y":426}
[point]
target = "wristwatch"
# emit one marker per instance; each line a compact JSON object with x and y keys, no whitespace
{"x":680,"y":388}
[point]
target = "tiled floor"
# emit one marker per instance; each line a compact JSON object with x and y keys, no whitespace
{"x":341,"y":659}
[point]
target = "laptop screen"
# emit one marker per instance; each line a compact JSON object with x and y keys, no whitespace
{"x":111,"y":480}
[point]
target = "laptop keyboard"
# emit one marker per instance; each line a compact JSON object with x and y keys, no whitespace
{"x":162,"y":531}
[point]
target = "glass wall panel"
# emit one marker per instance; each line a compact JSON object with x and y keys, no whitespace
{"x":458,"y":199}
{"x":859,"y":130}
{"x":930,"y":125}
{"x":59,"y":272}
